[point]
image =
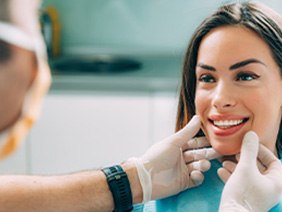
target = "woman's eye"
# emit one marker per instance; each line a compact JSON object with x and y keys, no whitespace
{"x":206,"y":78}
{"x":246,"y":77}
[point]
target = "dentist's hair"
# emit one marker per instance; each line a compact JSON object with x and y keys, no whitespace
{"x":261,"y":19}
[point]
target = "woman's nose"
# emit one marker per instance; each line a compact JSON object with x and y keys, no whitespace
{"x":224,"y":97}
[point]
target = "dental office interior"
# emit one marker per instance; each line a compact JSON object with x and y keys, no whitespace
{"x":116,"y":67}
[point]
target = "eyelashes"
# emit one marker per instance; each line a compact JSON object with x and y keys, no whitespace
{"x":241,"y":76}
{"x":246,"y":76}
{"x":206,"y":78}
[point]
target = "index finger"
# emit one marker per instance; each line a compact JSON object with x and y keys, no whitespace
{"x":199,"y":154}
{"x":197,"y":142}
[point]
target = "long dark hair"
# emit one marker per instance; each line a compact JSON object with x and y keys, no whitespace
{"x":255,"y":16}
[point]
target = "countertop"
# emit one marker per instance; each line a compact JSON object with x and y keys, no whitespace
{"x":158,"y":73}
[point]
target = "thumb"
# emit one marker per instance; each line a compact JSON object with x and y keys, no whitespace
{"x":265,"y":156}
{"x":249,"y":149}
{"x":185,"y":134}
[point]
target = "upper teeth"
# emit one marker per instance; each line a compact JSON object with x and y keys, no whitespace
{"x":227,"y":123}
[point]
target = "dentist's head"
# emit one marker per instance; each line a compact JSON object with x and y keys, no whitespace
{"x":24,"y":73}
{"x":232,"y":77}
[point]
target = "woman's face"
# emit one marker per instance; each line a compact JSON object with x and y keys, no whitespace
{"x":238,"y":89}
{"x":16,"y":75}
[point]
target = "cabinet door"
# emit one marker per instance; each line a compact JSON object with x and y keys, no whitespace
{"x":89,"y":131}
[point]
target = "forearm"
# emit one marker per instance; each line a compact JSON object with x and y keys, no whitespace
{"x":85,"y":191}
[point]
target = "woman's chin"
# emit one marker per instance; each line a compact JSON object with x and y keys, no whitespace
{"x":225,"y":145}
{"x":226,"y":149}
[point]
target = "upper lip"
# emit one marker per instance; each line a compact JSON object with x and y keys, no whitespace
{"x":227,"y":117}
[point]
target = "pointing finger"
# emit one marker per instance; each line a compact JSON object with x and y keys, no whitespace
{"x":198,"y":154}
{"x":198,"y":142}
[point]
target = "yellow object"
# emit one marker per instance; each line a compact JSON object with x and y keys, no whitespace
{"x":56,"y":30}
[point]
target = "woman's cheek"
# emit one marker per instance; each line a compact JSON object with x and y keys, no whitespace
{"x":201,"y":105}
{"x":198,"y":103}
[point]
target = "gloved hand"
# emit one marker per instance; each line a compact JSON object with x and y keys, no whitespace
{"x":248,"y":189}
{"x":166,"y":170}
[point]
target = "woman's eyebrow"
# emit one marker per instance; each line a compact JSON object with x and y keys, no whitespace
{"x":244,"y":63}
{"x":207,"y":67}
{"x":232,"y":67}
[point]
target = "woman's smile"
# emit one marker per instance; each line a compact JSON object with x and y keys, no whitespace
{"x":226,"y":125}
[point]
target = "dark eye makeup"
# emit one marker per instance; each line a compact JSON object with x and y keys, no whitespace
{"x":206,"y":78}
{"x":246,"y":76}
{"x":241,"y":76}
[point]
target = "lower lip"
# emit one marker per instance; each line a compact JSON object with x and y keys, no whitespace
{"x":227,"y":131}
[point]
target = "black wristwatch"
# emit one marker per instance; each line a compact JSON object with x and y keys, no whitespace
{"x":120,"y":188}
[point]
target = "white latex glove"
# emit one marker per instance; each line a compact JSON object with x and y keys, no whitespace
{"x":248,"y":189}
{"x":163,"y":171}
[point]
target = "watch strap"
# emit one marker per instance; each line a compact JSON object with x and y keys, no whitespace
{"x":120,"y":188}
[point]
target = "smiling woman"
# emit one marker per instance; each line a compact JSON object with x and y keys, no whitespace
{"x":232,"y":77}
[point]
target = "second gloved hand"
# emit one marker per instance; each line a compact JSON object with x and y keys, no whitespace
{"x":165,"y":170}
{"x":247,"y":189}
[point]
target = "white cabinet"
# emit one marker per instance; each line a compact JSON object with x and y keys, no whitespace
{"x":84,"y":131}
{"x":17,"y":162}
{"x":79,"y":131}
{"x":164,"y":115}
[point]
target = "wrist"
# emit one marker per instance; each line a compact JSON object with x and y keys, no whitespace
{"x":119,"y":185}
{"x":134,"y":181}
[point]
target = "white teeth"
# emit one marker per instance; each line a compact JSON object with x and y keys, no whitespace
{"x":227,"y":123}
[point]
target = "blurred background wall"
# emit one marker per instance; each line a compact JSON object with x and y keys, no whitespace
{"x":134,"y":25}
